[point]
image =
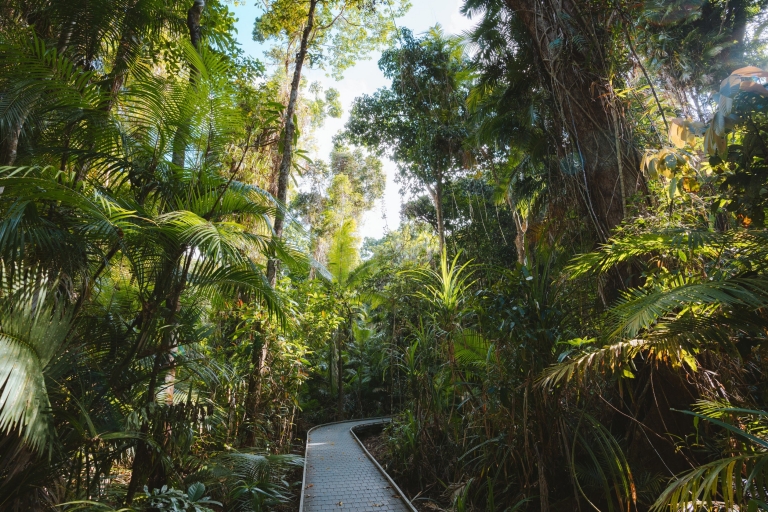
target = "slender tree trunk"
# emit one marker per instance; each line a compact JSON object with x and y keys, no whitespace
{"x":179,"y":144}
{"x":193,"y":22}
{"x":340,"y":379}
{"x":543,"y":487}
{"x":254,"y":384}
{"x":142,"y":462}
{"x":290,"y":131}
{"x":331,"y":368}
{"x":437,"y":199}
{"x":439,"y":212}
{"x":142,"y":457}
{"x":231,"y":415}
{"x":732,"y":56}
{"x":119,"y":70}
{"x":120,"y":66}
{"x":521,"y":228}
{"x":65,"y":36}
{"x":10,"y":144}
{"x":360,"y":370}
{"x":619,"y":158}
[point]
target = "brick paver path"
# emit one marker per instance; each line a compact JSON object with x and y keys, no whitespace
{"x":341,"y":478}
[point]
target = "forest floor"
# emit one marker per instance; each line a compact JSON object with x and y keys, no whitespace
{"x":295,"y":478}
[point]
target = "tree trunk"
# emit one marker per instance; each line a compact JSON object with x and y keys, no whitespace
{"x":119,"y":69}
{"x":521,"y":228}
{"x":331,"y":386}
{"x":120,"y":66}
{"x":10,"y":144}
{"x":193,"y":22}
{"x":340,"y":377}
{"x":583,"y":96}
{"x":143,"y":463}
{"x":439,"y":213}
{"x":254,"y":384}
{"x":543,"y":487}
{"x":437,"y":198}
{"x":142,"y":457}
{"x":732,"y":56}
{"x":290,"y":131}
{"x":231,"y":415}
{"x":179,"y":144}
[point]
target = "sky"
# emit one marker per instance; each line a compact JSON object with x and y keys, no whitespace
{"x":364,"y":78}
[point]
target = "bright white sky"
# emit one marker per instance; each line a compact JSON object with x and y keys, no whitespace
{"x":365,"y":78}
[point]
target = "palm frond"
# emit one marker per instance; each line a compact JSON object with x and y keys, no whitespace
{"x":718,"y":480}
{"x":33,"y":329}
{"x":605,"y":360}
{"x":37,"y":80}
{"x":236,"y":281}
{"x":471,"y":349}
{"x":343,"y":255}
{"x":639,"y":309}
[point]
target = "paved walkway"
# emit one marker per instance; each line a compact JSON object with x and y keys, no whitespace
{"x":340,"y":477}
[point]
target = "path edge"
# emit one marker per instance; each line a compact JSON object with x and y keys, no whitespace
{"x":306,"y":451}
{"x":378,"y":466}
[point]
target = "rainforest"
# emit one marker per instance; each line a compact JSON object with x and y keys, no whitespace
{"x":525,"y":238}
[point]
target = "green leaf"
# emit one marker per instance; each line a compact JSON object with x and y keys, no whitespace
{"x":32,"y":332}
{"x":196,"y":491}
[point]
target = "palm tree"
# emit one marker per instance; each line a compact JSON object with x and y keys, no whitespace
{"x":101,"y":37}
{"x":127,"y":253}
{"x":346,"y":277}
{"x":447,"y":292}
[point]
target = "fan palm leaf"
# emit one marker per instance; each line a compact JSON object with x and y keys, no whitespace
{"x":638,"y":310}
{"x":37,"y":80}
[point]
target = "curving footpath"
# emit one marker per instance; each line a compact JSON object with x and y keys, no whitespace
{"x":339,"y":475}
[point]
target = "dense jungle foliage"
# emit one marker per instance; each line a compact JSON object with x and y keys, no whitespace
{"x":571,"y":315}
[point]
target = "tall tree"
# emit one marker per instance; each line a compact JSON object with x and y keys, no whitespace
{"x":336,"y":33}
{"x":422,"y":119}
{"x":345,"y":190}
{"x":578,"y":53}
